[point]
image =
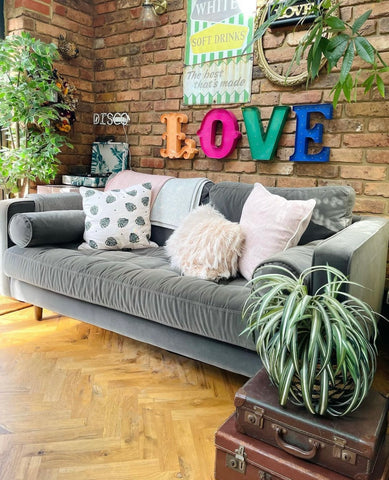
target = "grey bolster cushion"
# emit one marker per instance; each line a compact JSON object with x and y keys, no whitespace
{"x":44,"y":228}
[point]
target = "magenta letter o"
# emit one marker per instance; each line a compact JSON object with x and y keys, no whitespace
{"x":229,"y":137}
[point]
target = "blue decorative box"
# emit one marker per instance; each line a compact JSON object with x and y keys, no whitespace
{"x":109,"y":157}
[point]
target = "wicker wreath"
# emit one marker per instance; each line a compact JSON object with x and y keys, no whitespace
{"x":270,"y":73}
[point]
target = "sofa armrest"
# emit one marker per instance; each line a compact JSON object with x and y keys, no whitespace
{"x":57,"y":201}
{"x":8,"y":208}
{"x":294,"y":259}
{"x":360,"y":252}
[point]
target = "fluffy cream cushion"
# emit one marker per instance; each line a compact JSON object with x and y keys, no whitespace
{"x":206,"y":245}
{"x":270,"y":224}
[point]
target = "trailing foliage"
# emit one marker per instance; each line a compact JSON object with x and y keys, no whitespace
{"x":337,"y":41}
{"x":319,"y":350}
{"x":29,"y":109}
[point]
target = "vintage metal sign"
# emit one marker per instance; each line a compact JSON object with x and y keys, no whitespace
{"x":218,"y":56}
{"x":299,"y":12}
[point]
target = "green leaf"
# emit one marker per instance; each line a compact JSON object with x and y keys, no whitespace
{"x":335,"y":23}
{"x":335,"y":49}
{"x":380,"y":85}
{"x":324,"y":389}
{"x":347,"y":63}
{"x":365,"y":50}
{"x":360,"y":21}
{"x":347,"y":87}
{"x":314,"y":60}
{"x":368,"y":83}
{"x":285,"y":382}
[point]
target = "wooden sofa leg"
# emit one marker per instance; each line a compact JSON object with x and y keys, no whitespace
{"x":38,"y":313}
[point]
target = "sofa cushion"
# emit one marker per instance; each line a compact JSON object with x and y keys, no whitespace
{"x":117,"y":219}
{"x":44,"y":228}
{"x":270,"y":224}
{"x":332,"y":213}
{"x":139,"y":282}
{"x":206,"y":245}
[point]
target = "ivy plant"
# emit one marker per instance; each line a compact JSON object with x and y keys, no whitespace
{"x":337,"y":41}
{"x":29,"y":110}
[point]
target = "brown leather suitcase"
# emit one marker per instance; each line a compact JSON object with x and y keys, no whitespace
{"x":348,"y":445}
{"x":240,"y":457}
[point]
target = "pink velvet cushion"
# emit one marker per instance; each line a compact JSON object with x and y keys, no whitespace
{"x":270,"y":224}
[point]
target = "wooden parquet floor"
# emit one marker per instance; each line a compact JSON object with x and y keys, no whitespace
{"x":81,"y":403}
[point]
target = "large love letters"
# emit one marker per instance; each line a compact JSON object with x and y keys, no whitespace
{"x":263,"y":143}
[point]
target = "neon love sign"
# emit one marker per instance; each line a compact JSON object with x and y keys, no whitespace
{"x":263,"y":144}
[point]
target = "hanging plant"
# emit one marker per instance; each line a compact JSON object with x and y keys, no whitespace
{"x":335,"y":41}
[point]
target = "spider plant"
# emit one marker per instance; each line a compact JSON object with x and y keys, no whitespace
{"x":319,"y":350}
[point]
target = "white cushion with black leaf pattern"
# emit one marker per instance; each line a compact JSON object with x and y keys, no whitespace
{"x":117,"y":219}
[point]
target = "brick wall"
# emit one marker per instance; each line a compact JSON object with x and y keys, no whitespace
{"x":141,"y":71}
{"x":122,"y":68}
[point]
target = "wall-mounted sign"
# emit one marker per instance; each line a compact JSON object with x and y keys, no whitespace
{"x":300,"y":12}
{"x":111,"y":118}
{"x":174,"y":137}
{"x":230,"y":134}
{"x":263,"y":142}
{"x":218,"y":55}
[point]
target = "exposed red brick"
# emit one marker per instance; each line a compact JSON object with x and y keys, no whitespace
{"x":377,"y":156}
{"x":363,"y":172}
{"x":377,"y":189}
{"x":208,"y":164}
{"x":346,"y":155}
{"x":293,"y":182}
{"x":60,"y":10}
{"x":240,"y":167}
{"x":152,"y":162}
{"x":270,"y":168}
{"x":105,"y":7}
{"x":366,"y":140}
{"x":295,"y":98}
{"x":36,"y":6}
{"x":179,"y":164}
{"x":363,"y":205}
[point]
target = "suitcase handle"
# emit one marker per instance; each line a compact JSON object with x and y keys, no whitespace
{"x":292,"y":449}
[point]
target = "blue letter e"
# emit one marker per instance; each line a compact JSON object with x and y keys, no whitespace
{"x":304,"y":133}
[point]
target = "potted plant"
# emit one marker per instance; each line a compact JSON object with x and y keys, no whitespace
{"x":319,"y":350}
{"x":33,"y":110}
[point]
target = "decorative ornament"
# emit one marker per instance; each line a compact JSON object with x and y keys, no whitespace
{"x":67,"y":49}
{"x":304,"y":133}
{"x":230,"y":134}
{"x":66,"y":96}
{"x":263,"y":145}
{"x":174,"y":137}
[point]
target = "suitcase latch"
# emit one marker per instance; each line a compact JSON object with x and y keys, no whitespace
{"x":255,"y":416}
{"x":237,"y":462}
{"x":340,"y":451}
{"x":264,"y":475}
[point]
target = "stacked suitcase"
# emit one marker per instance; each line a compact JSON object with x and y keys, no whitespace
{"x":264,"y":441}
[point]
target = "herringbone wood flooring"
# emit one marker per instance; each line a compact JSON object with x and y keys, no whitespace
{"x":81,"y":403}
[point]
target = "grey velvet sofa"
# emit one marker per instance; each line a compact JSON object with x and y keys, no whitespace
{"x":138,"y":294}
